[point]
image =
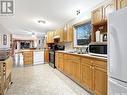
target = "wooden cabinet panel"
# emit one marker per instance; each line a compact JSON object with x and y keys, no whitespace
{"x":56,"y":32}
{"x":76,"y":70}
{"x":46,"y":55}
{"x":89,"y":72}
{"x":50,"y":37}
{"x":66,"y":66}
{"x":61,"y":35}
{"x":108,"y":8}
{"x":121,"y":4}
{"x":100,"y":81}
{"x":28,"y":57}
{"x":97,"y":15}
{"x":86,"y":75}
{"x":9,"y":66}
{"x":59,"y":61}
{"x":61,"y":64}
{"x":68,"y":33}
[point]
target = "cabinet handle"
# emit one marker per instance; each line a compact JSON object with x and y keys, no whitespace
{"x":91,"y":61}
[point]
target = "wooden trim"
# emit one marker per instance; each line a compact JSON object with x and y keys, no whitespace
{"x":82,"y":22}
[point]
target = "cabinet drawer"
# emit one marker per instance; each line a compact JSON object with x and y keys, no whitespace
{"x":101,"y":64}
{"x":60,"y":54}
{"x":28,"y":59}
{"x":75,"y":59}
{"x":66,"y":56}
{"x":28,"y":62}
{"x":87,"y":60}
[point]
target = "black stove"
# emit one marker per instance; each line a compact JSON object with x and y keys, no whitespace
{"x":52,"y":54}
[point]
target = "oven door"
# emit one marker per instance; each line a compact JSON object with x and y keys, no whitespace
{"x":52,"y":58}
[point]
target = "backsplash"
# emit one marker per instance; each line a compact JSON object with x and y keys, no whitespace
{"x":70,"y":47}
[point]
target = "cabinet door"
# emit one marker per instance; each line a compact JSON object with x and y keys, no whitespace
{"x":121,"y":4}
{"x":69,"y":33}
{"x":109,"y":7}
{"x":61,"y":35}
{"x":66,"y":66}
{"x":61,"y":64}
{"x":97,"y":15}
{"x":76,"y":72}
{"x":87,"y":75}
{"x":65,"y":33}
{"x":100,"y":81}
{"x":70,"y":68}
{"x":56,"y":59}
{"x":46,"y":55}
{"x":28,"y":57}
{"x":51,"y":37}
{"x":48,"y":38}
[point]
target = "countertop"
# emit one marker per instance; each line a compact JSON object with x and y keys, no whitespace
{"x":85,"y":55}
{"x":27,"y":50}
{"x":3,"y":60}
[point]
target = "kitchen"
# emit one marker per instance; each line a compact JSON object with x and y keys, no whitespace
{"x":84,"y":55}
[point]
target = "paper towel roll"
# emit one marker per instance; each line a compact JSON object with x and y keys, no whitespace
{"x":97,"y":36}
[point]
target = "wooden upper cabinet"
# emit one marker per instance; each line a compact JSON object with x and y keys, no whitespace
{"x":121,"y":4}
{"x":68,"y":33}
{"x":97,"y":15}
{"x":61,"y":35}
{"x":56,"y":33}
{"x":50,"y":37}
{"x":108,"y":8}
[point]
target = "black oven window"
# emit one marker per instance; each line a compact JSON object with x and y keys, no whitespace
{"x":83,"y":33}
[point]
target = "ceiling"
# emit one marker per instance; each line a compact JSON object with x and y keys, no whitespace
{"x":55,"y":12}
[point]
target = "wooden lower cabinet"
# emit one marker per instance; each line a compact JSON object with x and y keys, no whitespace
{"x":100,"y":78}
{"x":46,"y":56}
{"x":59,"y":61}
{"x":76,"y":68}
{"x":28,"y":57}
{"x":91,"y":73}
{"x":60,"y":64}
{"x":100,"y":81}
{"x":67,"y":65}
{"x":86,"y":74}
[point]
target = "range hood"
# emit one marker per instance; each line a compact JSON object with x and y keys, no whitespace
{"x":56,"y":37}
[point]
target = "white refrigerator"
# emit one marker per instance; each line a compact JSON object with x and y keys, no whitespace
{"x":117,"y":53}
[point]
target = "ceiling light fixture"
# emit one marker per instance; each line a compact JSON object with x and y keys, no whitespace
{"x":42,"y":21}
{"x":78,"y":12}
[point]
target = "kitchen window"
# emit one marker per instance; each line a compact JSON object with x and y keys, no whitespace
{"x":82,"y":34}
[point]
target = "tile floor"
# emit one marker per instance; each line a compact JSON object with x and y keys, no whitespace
{"x":42,"y":80}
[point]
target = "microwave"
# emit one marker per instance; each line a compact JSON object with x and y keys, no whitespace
{"x":98,"y":49}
